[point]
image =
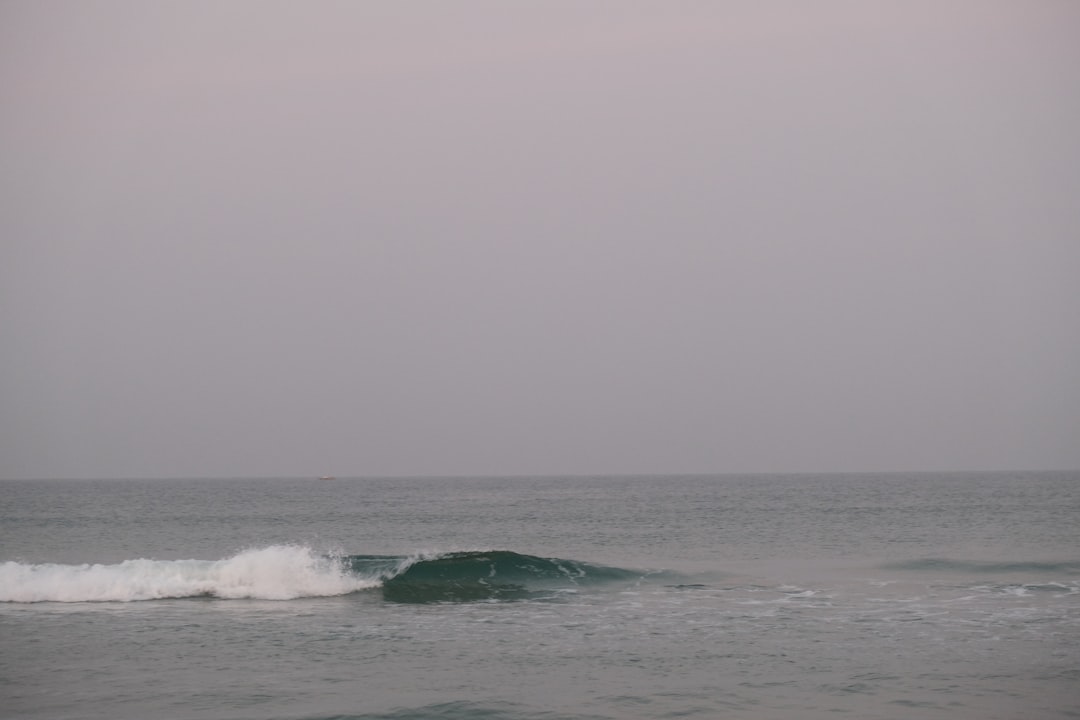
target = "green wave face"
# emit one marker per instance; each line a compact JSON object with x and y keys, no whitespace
{"x":482,"y":575}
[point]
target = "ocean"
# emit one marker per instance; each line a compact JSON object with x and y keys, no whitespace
{"x":891,"y":596}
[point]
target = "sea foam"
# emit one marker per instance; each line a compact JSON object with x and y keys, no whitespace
{"x":279,"y":572}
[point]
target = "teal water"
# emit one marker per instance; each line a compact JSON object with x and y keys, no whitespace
{"x":871,"y":596}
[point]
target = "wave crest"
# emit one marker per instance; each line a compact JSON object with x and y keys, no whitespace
{"x":279,"y":572}
{"x":490,"y":575}
{"x":286,"y":572}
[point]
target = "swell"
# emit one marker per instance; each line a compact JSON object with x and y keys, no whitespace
{"x":987,"y":567}
{"x":286,"y":572}
{"x":464,"y":710}
{"x":491,"y":575}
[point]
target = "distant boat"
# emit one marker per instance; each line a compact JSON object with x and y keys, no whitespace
{"x":327,"y":477}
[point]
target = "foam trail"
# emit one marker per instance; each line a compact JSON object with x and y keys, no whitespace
{"x":280,"y":572}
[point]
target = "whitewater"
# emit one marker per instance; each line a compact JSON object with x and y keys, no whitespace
{"x":287,"y":572}
{"x":877,"y":596}
{"x":272,"y":573}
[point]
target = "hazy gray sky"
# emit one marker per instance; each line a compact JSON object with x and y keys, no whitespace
{"x":276,"y":238}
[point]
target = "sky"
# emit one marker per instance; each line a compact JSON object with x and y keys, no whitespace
{"x":478,"y":237}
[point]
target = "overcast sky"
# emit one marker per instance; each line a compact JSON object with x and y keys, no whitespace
{"x":552,"y":237}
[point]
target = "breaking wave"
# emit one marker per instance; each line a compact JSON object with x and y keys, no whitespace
{"x":279,"y":572}
{"x":492,"y":575}
{"x":286,"y":572}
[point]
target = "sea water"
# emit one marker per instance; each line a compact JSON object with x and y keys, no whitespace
{"x":813,"y":596}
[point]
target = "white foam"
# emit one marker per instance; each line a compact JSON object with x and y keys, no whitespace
{"x":279,"y":572}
